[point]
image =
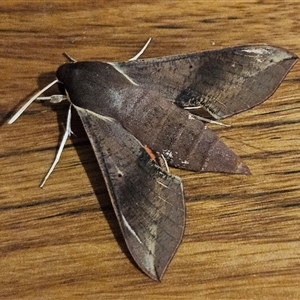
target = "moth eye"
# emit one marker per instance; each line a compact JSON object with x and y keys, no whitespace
{"x":120,"y":174}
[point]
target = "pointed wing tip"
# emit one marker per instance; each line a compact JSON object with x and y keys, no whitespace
{"x":283,"y":55}
{"x":242,"y":168}
{"x":292,"y":57}
{"x":156,"y":275}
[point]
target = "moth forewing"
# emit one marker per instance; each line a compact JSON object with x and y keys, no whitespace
{"x":224,"y":82}
{"x":148,"y":201}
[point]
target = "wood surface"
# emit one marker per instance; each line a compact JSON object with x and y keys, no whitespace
{"x":63,"y":241}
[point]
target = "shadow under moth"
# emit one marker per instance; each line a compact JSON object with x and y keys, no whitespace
{"x":137,"y":117}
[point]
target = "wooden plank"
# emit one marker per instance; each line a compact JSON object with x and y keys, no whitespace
{"x":63,"y":241}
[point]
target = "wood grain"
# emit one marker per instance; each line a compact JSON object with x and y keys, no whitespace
{"x":63,"y":241}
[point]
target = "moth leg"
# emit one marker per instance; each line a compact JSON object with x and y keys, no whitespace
{"x":163,"y":163}
{"x":141,"y":51}
{"x":158,"y":158}
{"x":205,"y":119}
{"x":53,"y":98}
{"x":70,"y":58}
{"x":67,"y":133}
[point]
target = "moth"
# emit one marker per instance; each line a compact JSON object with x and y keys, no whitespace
{"x":137,"y":115}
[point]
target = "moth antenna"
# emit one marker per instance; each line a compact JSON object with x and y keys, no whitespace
{"x":70,"y":58}
{"x":22,"y":109}
{"x":141,"y":51}
{"x":67,"y":133}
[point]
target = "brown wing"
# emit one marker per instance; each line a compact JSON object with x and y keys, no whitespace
{"x":224,"y":82}
{"x":147,"y":200}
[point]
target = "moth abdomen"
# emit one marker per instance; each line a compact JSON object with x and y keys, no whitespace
{"x":187,"y":143}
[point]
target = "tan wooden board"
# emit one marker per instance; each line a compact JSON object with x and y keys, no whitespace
{"x":63,"y":241}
